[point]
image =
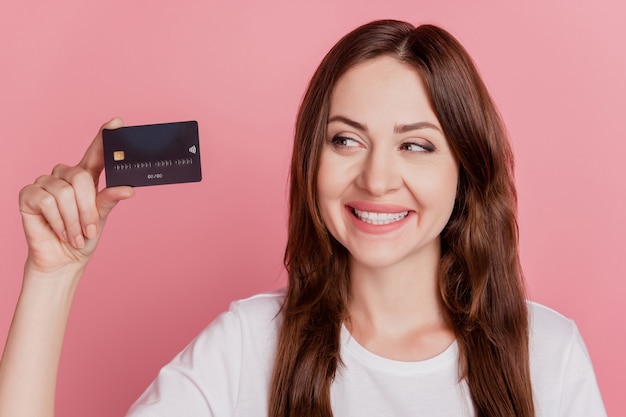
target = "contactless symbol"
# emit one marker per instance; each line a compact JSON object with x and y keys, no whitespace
{"x":193,"y":149}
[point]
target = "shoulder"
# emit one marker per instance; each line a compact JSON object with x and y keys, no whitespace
{"x":552,"y":335}
{"x":258,"y":317}
{"x":253,"y":320}
{"x":563,"y":378}
{"x":546,"y":322}
{"x":225,"y":369}
{"x":260,"y":305}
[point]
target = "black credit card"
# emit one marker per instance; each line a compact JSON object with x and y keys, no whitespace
{"x":165,"y":153}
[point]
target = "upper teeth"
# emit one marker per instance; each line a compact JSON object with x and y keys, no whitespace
{"x":379,"y":218}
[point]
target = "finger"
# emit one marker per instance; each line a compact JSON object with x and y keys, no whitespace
{"x":34,"y":200}
{"x":65,"y":200}
{"x":93,"y":160}
{"x":84,"y":195}
{"x":108,"y":198}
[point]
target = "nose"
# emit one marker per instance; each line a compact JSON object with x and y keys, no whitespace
{"x":380,"y":173}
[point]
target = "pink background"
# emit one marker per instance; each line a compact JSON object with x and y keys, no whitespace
{"x":175,"y":256}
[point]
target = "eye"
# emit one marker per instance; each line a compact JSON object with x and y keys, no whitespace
{"x":339,"y":141}
{"x":417,"y":147}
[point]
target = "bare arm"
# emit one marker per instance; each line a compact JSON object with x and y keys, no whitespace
{"x":63,"y":215}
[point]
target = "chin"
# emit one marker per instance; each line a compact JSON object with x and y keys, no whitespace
{"x":376,"y":260}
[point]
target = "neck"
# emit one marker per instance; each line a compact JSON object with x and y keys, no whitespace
{"x":395,"y":294}
{"x":397,"y":310}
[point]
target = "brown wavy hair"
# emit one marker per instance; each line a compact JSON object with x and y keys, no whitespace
{"x":480,"y":281}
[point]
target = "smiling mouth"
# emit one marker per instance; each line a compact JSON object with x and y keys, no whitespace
{"x":379,"y":218}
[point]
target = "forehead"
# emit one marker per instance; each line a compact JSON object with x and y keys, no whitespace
{"x":382,"y":86}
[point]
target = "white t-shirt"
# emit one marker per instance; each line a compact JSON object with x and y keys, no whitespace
{"x":226,"y":371}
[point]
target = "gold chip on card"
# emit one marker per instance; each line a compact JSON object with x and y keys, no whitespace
{"x":118,"y":156}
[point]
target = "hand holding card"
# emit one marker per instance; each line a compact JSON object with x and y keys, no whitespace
{"x":155,"y":154}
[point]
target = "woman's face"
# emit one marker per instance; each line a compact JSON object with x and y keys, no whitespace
{"x":387,"y":178}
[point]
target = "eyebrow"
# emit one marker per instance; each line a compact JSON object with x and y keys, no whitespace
{"x":397,"y":129}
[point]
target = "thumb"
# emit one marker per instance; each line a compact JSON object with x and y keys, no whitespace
{"x":93,"y":160}
{"x":108,"y":198}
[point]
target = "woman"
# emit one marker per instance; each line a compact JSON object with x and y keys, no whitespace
{"x":405,"y":293}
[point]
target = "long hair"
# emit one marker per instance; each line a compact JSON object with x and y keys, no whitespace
{"x":480,"y":280}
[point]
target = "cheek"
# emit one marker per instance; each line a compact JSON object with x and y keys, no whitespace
{"x":449,"y":189}
{"x":330,"y":178}
{"x":436,"y":190}
{"x":325,"y":188}
{"x":333,"y":182}
{"x":450,"y":185}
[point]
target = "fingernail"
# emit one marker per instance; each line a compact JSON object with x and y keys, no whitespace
{"x":91,"y":231}
{"x":80,"y":241}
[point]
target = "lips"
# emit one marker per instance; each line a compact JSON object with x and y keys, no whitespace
{"x":377,"y":216}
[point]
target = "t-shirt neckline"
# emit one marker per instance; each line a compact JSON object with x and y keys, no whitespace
{"x":351,"y":346}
